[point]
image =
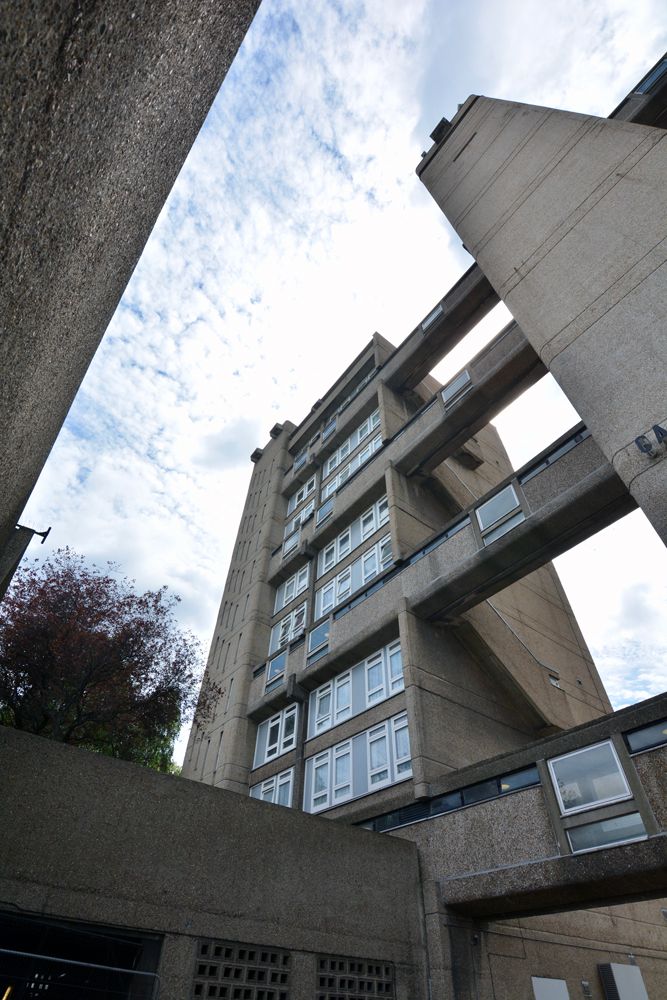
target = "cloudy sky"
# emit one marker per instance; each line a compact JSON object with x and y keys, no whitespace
{"x":296,"y":228}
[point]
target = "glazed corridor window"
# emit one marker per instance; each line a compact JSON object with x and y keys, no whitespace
{"x":277,"y":789}
{"x":458,"y":387}
{"x":289,"y":628}
{"x":358,"y":460}
{"x":588,"y":778}
{"x":368,"y":761}
{"x":353,"y":536}
{"x":363,"y":569}
{"x":375,"y":679}
{"x":301,"y":495}
{"x":499,"y":514}
{"x":291,"y":589}
{"x":276,"y":736}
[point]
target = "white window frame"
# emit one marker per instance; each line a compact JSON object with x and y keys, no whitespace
{"x":334,"y":591}
{"x":297,"y":498}
{"x":338,"y":788}
{"x":298,"y":582}
{"x":391,"y":685}
{"x":378,"y":693}
{"x":323,"y":722}
{"x":299,"y":518}
{"x":340,"y":547}
{"x":320,"y":761}
{"x":269,"y":790}
{"x":284,"y":742}
{"x":351,"y":467}
{"x":291,"y":626}
{"x":589,"y":805}
{"x":376,"y":734}
{"x":396,"y":681}
{"x":344,"y":712}
{"x":398,"y":724}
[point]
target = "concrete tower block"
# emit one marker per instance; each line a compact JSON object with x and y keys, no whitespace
{"x":566,"y":214}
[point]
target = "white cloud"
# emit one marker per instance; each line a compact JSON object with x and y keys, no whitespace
{"x":296,"y":228}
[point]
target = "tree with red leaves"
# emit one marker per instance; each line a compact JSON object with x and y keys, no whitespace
{"x":86,"y":660}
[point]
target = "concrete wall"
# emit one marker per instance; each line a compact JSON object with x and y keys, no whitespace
{"x":565,"y":213}
{"x":98,"y":840}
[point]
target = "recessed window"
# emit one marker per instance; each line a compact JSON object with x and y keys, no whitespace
{"x":299,"y":518}
{"x":499,"y":514}
{"x":606,"y":832}
{"x":588,"y":778}
{"x":347,"y":470}
{"x":456,"y":388}
{"x":291,"y":589}
{"x":289,"y":628}
{"x":277,"y":736}
{"x":297,"y":499}
{"x":378,"y":677}
{"x":365,"y":568}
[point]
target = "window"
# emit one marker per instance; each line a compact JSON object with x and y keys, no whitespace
{"x":348,"y":469}
{"x":587,"y":778}
{"x":321,"y":782}
{"x":363,"y":569}
{"x":402,"y":759}
{"x":432,"y":316}
{"x":375,"y":690}
{"x":647,"y":737}
{"x":300,"y":495}
{"x":318,"y":642}
{"x":356,"y":533}
{"x":458,"y":387}
{"x":324,"y":512}
{"x":277,"y":789}
{"x":299,"y":518}
{"x":329,"y":427}
{"x":291,"y":589}
{"x":290,"y":543}
{"x":377,"y":678}
{"x":606,"y":832}
{"x":289,"y":628}
{"x":300,"y":458}
{"x":342,"y":772}
{"x":360,"y":765}
{"x":276,"y":737}
{"x":378,"y":756}
{"x":274,"y":675}
{"x":499,"y":514}
{"x":396,"y":683}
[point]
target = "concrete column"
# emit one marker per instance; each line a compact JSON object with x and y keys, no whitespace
{"x":101,"y":104}
{"x":566,"y":215}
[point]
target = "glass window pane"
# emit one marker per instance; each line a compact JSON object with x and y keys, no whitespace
{"x":343,"y":694}
{"x":503,"y":528}
{"x":395,"y":663}
{"x":321,"y":778}
{"x":379,"y":776}
{"x":402,"y":743}
{"x":343,"y":544}
{"x":319,"y":634}
{"x":375,"y":676}
{"x":370,"y":565}
{"x":650,"y":736}
{"x":606,"y":831}
{"x":277,"y":665}
{"x":290,"y":723}
{"x":521,"y":779}
{"x":283,"y":793}
{"x":323,"y":704}
{"x":481,"y":791}
{"x":267,"y":793}
{"x":378,"y":750}
{"x":342,"y":768}
{"x":588,"y":777}
{"x":499,"y":505}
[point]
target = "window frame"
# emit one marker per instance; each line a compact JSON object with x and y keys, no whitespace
{"x":355,"y":463}
{"x":279,"y":722}
{"x":274,"y":784}
{"x":504,"y":522}
{"x":398,"y":724}
{"x":564,"y":811}
{"x":301,"y":494}
{"x":379,"y":732}
{"x":291,"y":630}
{"x":299,"y":588}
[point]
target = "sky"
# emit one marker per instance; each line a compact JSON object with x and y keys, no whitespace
{"x":296,"y":228}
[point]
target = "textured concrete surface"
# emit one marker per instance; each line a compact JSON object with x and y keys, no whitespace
{"x":95,"y":839}
{"x":565,"y":213}
{"x":101,"y":104}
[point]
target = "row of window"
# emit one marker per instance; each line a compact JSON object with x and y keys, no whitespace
{"x":373,"y":680}
{"x":365,"y":763}
{"x":291,"y":626}
{"x":353,"y":535}
{"x":287,"y":591}
{"x":363,"y":569}
{"x":297,"y":499}
{"x":354,"y":440}
{"x":345,"y":473}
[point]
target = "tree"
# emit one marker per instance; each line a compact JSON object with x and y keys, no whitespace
{"x":86,"y":660}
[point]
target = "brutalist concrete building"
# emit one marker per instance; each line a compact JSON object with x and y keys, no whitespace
{"x":413,"y":784}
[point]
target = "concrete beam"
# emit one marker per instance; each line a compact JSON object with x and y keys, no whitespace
{"x":564,"y":503}
{"x":101,"y":104}
{"x":464,"y":305}
{"x":498,"y":375}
